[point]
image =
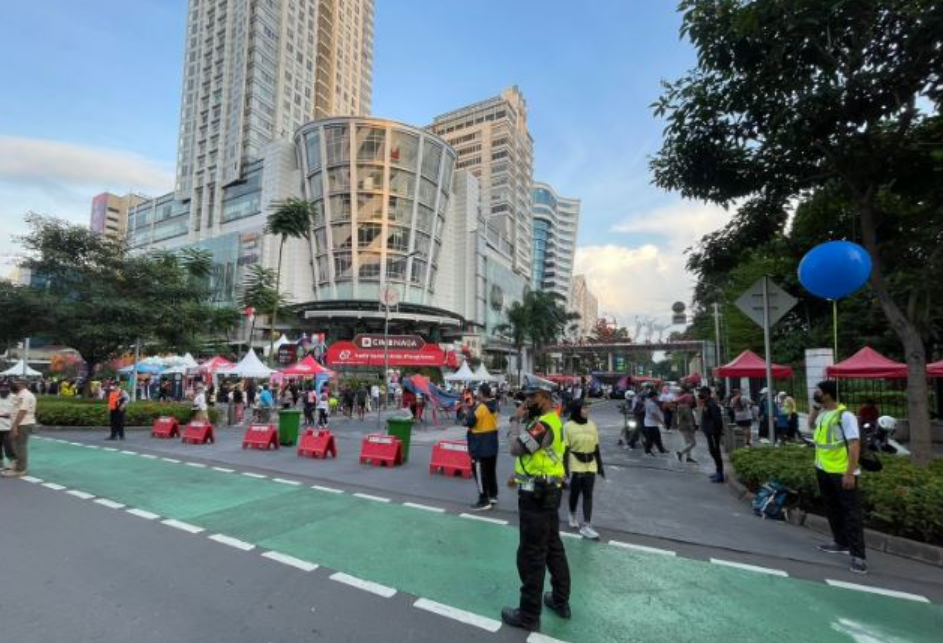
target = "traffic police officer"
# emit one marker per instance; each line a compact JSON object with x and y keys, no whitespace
{"x":539,"y":474}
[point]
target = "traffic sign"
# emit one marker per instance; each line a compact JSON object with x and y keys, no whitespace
{"x":751,"y":302}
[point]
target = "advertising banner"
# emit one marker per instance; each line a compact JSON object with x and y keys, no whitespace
{"x":344,"y":353}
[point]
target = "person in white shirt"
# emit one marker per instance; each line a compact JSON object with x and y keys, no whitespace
{"x":324,"y":408}
{"x":7,"y":411}
{"x":375,"y":397}
{"x":200,"y":406}
{"x":24,"y":420}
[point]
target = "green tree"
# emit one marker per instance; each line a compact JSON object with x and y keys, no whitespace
{"x":517,"y":328}
{"x":540,"y":319}
{"x":792,"y":97}
{"x":291,"y":219}
{"x":259,"y":292}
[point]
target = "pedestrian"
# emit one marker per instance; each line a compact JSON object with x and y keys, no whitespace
{"x":266,"y":404}
{"x":482,"y":438}
{"x":7,"y":411}
{"x":584,"y":462}
{"x":837,"y":448}
{"x":324,"y":408}
{"x":653,"y":423}
{"x":687,"y":426}
{"x":375,"y":396}
{"x":538,"y":475}
{"x":792,"y":415}
{"x":361,"y":397}
{"x":238,"y":402}
{"x":712,"y":425}
{"x":763,"y":416}
{"x":742,"y":409}
{"x":118,"y":400}
{"x":24,"y":420}
{"x":310,"y":404}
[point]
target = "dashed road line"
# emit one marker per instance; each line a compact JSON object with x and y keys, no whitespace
{"x":293,"y":483}
{"x":488,"y":624}
{"x":126,"y":452}
{"x":257,"y":476}
{"x":182,"y":526}
{"x":54,"y":486}
{"x":367,"y":496}
{"x":32,"y":479}
{"x":291,"y":561}
{"x":77,"y":444}
{"x":494,"y":521}
{"x":537,"y":637}
{"x":223,"y":470}
{"x":318,"y":487}
{"x":749,"y":568}
{"x":111,"y":504}
{"x":80,"y":494}
{"x":109,"y":449}
{"x":643,"y":548}
{"x":414,"y":505}
{"x":173,"y":460}
{"x":92,"y":446}
{"x":878,"y":590}
{"x":140,"y":513}
{"x":366,"y":585}
{"x":232,"y":542}
{"x":197,"y":465}
{"x":148,"y":456}
{"x":570,"y":534}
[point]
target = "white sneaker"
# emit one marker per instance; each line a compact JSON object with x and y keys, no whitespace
{"x":586,"y":531}
{"x":574,"y":523}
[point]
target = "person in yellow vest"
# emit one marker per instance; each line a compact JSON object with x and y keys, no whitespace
{"x":585,"y":463}
{"x":538,"y":474}
{"x":482,"y":438}
{"x":837,"y":447}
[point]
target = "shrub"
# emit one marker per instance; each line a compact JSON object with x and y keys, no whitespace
{"x":901,"y":500}
{"x":52,"y":411}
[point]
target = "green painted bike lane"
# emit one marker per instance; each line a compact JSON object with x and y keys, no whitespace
{"x":618,"y":595}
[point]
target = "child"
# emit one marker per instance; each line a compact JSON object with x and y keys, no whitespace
{"x":323,"y":410}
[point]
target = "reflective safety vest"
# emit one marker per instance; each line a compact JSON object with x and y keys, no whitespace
{"x":543,"y":464}
{"x":831,"y":451}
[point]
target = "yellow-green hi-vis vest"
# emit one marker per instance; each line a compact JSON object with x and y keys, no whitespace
{"x":542,"y":464}
{"x":831,"y":451}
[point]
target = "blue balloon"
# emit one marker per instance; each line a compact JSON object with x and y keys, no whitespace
{"x":835,"y":269}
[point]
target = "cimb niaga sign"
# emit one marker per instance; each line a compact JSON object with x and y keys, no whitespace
{"x":401,"y":342}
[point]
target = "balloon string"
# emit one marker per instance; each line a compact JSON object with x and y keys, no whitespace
{"x":835,"y":326}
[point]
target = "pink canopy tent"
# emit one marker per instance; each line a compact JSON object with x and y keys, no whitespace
{"x":868,"y":364}
{"x":935,"y":369}
{"x":214,"y":364}
{"x":308,"y":367}
{"x":749,"y":364}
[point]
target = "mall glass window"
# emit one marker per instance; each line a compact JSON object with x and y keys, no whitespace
{"x":316,"y":186}
{"x":369,"y":207}
{"x":396,"y":268}
{"x":324,"y":275}
{"x":367,"y":233}
{"x":371,"y":143}
{"x":400,"y":210}
{"x":318,"y":213}
{"x":404,"y":149}
{"x":447,"y":172}
{"x":369,"y":178}
{"x":320,"y":240}
{"x":402,"y":182}
{"x":369,"y":265}
{"x":398,"y":239}
{"x":431,"y":156}
{"x":427,"y":192}
{"x":342,"y":266}
{"x":424,"y":222}
{"x":338,"y":180}
{"x":423,"y":244}
{"x":418,"y":272}
{"x":313,"y":142}
{"x":443,"y":201}
{"x":340,"y":207}
{"x":337,"y":141}
{"x":341,"y":236}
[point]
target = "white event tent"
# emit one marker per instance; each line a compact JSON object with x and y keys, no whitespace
{"x":22,"y":369}
{"x":249,"y":366}
{"x":463,"y":374}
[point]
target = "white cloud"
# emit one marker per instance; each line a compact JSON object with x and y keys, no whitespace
{"x":60,"y":179}
{"x":645,"y":279}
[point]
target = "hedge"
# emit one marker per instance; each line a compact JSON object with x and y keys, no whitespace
{"x":52,"y":411}
{"x":901,"y":500}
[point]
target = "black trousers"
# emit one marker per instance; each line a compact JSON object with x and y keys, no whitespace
{"x":486,"y":476}
{"x":843,"y":509}
{"x":540,"y":549}
{"x":652,"y":435}
{"x":117,"y":424}
{"x":713,"y":445}
{"x":581,"y":484}
{"x":7,"y":445}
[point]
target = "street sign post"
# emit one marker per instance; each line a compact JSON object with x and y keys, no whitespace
{"x":766,"y":303}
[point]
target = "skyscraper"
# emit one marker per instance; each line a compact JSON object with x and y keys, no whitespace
{"x":556,"y":220}
{"x":254,"y":71}
{"x":493,"y":143}
{"x":110,"y":213}
{"x":584,"y":303}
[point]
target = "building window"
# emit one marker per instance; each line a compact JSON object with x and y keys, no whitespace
{"x":338,"y":144}
{"x":371,"y":143}
{"x":398,"y":239}
{"x":342,"y":265}
{"x":369,"y":207}
{"x":418,"y":273}
{"x":431,"y":157}
{"x":427,"y":192}
{"x":316,"y":186}
{"x":404,"y":149}
{"x":396,"y":268}
{"x":338,"y":180}
{"x":340,"y":235}
{"x":369,"y":265}
{"x":314,"y":151}
{"x":369,"y":178}
{"x":367,"y":233}
{"x":402,"y":182}
{"x":400,"y":210}
{"x":340,"y":207}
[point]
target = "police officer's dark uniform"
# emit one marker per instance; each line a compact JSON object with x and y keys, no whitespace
{"x":539,"y":474}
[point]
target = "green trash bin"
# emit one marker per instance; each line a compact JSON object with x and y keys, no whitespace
{"x":401,"y":427}
{"x":289,"y":421}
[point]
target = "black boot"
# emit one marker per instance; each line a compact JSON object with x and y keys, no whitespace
{"x":513,"y":617}
{"x":562,"y":609}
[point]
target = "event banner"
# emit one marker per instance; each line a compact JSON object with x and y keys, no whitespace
{"x":346,"y":353}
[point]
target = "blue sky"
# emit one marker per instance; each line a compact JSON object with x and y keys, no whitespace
{"x":92,"y":104}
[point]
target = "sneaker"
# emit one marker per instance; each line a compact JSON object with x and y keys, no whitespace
{"x":833,"y":548}
{"x":493,"y":501}
{"x":859,"y":565}
{"x":482,"y":505}
{"x":691,"y":460}
{"x":513,"y":617}
{"x":574,"y":523}
{"x":562,"y":609}
{"x":9,"y":466}
{"x":650,"y":453}
{"x":12,"y":473}
{"x":586,"y":531}
{"x":717,"y":477}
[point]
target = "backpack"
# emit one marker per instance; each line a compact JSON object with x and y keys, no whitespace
{"x":770,"y":501}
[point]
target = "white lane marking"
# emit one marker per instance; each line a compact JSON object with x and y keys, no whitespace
{"x":367,"y":586}
{"x":53,"y":486}
{"x":496,"y":521}
{"x":111,"y":504}
{"x":32,"y":479}
{"x":80,"y":494}
{"x":195,"y":464}
{"x":77,"y":444}
{"x":140,"y":513}
{"x":326,"y":489}
{"x":171,"y":460}
{"x":749,"y":568}
{"x":570,"y":534}
{"x":537,"y":637}
{"x":438,"y":510}
{"x":367,"y":496}
{"x":232,"y":542}
{"x":257,"y":476}
{"x":224,"y":470}
{"x":643,"y":548}
{"x":126,"y":452}
{"x":291,"y":561}
{"x":182,"y":526}
{"x":293,"y":483}
{"x":488,"y":624}
{"x":92,"y":446}
{"x":878,"y":590}
{"x":109,"y":449}
{"x":148,"y":456}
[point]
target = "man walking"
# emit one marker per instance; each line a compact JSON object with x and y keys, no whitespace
{"x":482,"y":423}
{"x":837,"y":447}
{"x":24,"y":419}
{"x":7,"y":411}
{"x":118,"y":400}
{"x":539,"y":473}
{"x":712,"y":424}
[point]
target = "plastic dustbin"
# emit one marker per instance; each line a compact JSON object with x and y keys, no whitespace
{"x":289,"y":421}
{"x":402,"y":428}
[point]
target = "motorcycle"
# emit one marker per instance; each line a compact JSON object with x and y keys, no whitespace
{"x":879,"y":437}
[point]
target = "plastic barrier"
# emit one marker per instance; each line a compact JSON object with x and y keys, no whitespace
{"x":317,"y":444}
{"x":380,"y":450}
{"x":199,"y":433}
{"x":165,"y":427}
{"x":260,"y":436}
{"x":450,"y":457}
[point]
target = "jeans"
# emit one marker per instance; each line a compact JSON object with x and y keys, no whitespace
{"x":582,"y":484}
{"x":713,"y":445}
{"x":540,"y":549}
{"x":689,"y":443}
{"x":486,"y":476}
{"x":7,"y":447}
{"x":843,"y":509}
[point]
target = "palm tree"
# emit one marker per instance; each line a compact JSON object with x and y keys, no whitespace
{"x":259,"y":293}
{"x":540,"y":319}
{"x":291,"y":218}
{"x":517,"y":326}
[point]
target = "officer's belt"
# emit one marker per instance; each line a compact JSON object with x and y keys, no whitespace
{"x":528,"y":483}
{"x":584,"y":457}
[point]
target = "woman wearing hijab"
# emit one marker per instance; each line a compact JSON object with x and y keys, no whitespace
{"x":583,"y":462}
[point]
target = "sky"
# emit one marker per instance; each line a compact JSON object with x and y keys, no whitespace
{"x":92,"y":95}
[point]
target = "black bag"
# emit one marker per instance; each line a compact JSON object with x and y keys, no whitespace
{"x":867,"y":459}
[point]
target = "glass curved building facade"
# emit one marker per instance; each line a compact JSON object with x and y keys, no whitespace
{"x":381,"y":191}
{"x":555,"y":224}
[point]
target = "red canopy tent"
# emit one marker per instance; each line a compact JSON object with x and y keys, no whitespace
{"x":749,"y":364}
{"x":305,"y":368}
{"x":935,"y":369}
{"x":214,"y":364}
{"x":868,"y":364}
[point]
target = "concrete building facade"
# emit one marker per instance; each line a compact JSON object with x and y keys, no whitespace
{"x":110,"y":213}
{"x":584,"y":303}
